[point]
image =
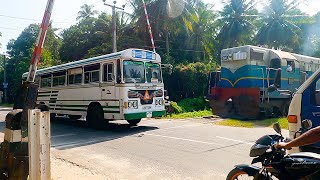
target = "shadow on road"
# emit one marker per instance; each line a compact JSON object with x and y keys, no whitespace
{"x":66,"y":134}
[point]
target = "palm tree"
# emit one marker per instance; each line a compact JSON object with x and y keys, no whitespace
{"x":201,"y":39}
{"x":280,"y":24}
{"x":166,"y":17}
{"x":86,"y":11}
{"x":237,"y":22}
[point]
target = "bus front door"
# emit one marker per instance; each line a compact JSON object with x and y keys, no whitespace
{"x":108,"y":90}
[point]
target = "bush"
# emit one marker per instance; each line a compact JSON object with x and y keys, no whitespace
{"x":188,"y":81}
{"x":193,"y":104}
{"x":176,"y":107}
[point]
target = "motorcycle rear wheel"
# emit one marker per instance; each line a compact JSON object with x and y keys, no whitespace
{"x":237,"y":174}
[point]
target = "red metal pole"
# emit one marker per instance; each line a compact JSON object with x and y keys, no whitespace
{"x":149,"y":26}
{"x":41,"y":37}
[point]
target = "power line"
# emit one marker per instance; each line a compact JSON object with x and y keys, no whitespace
{"x":28,"y":19}
{"x":10,"y":28}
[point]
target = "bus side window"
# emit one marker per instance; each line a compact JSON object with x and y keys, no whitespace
{"x":78,"y":79}
{"x":75,"y":76}
{"x":108,"y":75}
{"x":46,"y":81}
{"x":91,"y":73}
{"x":59,"y":78}
{"x":37,"y":80}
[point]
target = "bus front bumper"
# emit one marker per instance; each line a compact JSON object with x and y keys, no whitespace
{"x":133,"y":116}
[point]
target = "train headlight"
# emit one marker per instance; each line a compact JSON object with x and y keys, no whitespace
{"x":133,"y":104}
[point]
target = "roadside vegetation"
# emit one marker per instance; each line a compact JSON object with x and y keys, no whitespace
{"x":6,"y":105}
{"x":254,"y":123}
{"x":193,"y":114}
{"x":189,"y":108}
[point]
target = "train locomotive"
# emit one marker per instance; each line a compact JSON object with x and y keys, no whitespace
{"x":255,"y":82}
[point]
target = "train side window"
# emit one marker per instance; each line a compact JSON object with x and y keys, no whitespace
{"x":290,"y":66}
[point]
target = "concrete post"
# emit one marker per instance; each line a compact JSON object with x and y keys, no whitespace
{"x":39,"y":145}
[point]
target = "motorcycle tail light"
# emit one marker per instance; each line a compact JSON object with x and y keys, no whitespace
{"x":292,"y":119}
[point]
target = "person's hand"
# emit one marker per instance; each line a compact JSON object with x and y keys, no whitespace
{"x":280,"y":145}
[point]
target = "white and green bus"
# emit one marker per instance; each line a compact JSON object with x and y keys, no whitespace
{"x":126,"y":85}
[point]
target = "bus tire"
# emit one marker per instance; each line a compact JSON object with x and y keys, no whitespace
{"x":133,"y":122}
{"x":95,"y":116}
{"x":74,"y":117}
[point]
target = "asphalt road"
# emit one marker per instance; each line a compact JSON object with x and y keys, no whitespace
{"x":156,"y":149}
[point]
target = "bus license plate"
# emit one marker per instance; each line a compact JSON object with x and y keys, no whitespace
{"x":149,"y":114}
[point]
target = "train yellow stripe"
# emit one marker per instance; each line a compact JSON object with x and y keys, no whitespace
{"x":258,"y":78}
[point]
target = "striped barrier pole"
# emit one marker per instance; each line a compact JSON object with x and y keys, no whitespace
{"x":39,"y":45}
{"x":149,"y":26}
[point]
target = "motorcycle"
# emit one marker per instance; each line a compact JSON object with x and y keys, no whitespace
{"x":276,"y":163}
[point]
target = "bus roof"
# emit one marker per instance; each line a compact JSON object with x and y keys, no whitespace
{"x":125,"y":54}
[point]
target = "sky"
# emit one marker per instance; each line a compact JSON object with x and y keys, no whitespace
{"x":16,"y":15}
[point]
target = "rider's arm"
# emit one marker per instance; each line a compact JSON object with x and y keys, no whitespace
{"x":310,"y":137}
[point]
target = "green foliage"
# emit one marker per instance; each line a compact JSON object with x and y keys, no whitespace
{"x":86,"y":12}
{"x":193,"y":114}
{"x":176,"y":107}
{"x":20,"y":52}
{"x":193,"y":104}
{"x":281,"y":20}
{"x":257,"y":123}
{"x":237,"y":22}
{"x":188,"y":81}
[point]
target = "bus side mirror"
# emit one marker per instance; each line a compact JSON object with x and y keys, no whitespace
{"x":306,"y":124}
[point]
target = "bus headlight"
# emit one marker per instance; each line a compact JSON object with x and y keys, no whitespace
{"x":133,"y":104}
{"x":159,"y":102}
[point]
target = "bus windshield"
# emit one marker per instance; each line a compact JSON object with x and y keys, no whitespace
{"x":133,"y":71}
{"x":153,"y":72}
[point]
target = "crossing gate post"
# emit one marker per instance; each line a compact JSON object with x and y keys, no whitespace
{"x":39,"y":145}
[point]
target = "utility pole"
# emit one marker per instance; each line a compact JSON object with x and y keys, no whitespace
{"x":114,"y":23}
{"x":5,"y":84}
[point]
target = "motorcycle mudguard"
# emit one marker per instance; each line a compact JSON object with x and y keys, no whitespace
{"x":249,"y":169}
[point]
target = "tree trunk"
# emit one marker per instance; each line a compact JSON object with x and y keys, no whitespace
{"x":167,"y":44}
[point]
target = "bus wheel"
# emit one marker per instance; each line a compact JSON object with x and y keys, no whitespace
{"x":74,"y":117}
{"x":95,"y":116}
{"x":133,"y":122}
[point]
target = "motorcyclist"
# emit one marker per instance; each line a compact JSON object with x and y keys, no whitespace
{"x":310,"y":137}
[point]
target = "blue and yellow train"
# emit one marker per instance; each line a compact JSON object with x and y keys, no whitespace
{"x":255,"y":81}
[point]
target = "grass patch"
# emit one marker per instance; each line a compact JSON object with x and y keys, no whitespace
{"x":190,"y":114}
{"x":250,"y":124}
{"x":6,"y":105}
